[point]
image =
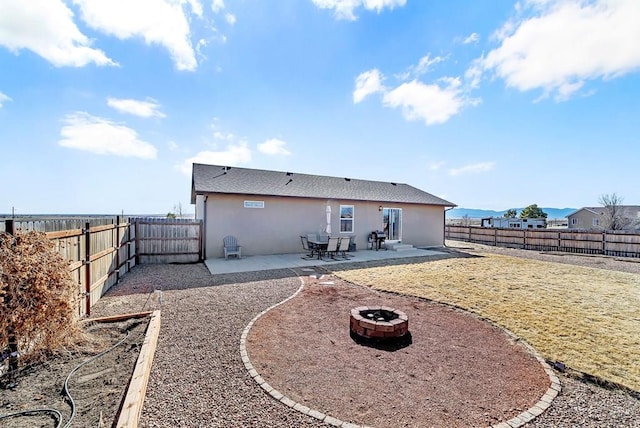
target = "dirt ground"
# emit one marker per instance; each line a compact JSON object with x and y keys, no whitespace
{"x":579,"y":310}
{"x":97,"y":387}
{"x":459,"y":370}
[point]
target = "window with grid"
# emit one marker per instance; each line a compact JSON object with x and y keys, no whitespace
{"x":346,"y":218}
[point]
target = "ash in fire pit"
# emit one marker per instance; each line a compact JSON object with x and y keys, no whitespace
{"x":380,"y":327}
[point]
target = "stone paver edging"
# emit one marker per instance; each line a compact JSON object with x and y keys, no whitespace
{"x":518,"y":421}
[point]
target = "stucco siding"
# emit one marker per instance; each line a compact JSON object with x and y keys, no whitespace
{"x":583,"y":220}
{"x":276,"y":228}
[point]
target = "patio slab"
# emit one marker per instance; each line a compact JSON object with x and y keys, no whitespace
{"x":281,"y":261}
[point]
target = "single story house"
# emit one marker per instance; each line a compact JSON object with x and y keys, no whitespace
{"x":268,"y":211}
{"x":596,"y":218}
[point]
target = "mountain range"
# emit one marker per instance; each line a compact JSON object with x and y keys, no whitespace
{"x":478,"y":213}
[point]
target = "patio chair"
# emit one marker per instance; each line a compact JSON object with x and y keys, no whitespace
{"x":332,"y":247}
{"x":344,"y":247}
{"x":311,"y":252}
{"x":231,"y":247}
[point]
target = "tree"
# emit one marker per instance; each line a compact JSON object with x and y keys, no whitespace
{"x":613,"y":212}
{"x":532,"y":211}
{"x":511,"y":213}
{"x":177,"y":211}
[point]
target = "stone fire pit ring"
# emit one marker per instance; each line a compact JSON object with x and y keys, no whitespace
{"x":380,"y":326}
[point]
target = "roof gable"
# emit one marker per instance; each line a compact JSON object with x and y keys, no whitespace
{"x":628,"y":211}
{"x":233,"y":180}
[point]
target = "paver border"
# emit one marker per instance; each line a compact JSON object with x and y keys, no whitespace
{"x":527,"y":416}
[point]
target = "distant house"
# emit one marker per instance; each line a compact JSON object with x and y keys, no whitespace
{"x":267,"y":211}
{"x":596,"y":218}
{"x":514,"y":223}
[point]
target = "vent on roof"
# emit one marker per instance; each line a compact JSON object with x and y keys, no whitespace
{"x":347,"y":179}
{"x":289,"y":174}
{"x":226,"y":168}
{"x":393,"y":184}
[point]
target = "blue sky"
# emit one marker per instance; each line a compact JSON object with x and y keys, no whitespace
{"x":104,"y":104}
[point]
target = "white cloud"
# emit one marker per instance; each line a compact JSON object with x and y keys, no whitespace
{"x":161,"y":22}
{"x":563,"y":44}
{"x":344,"y":9}
{"x":196,"y":7}
{"x":234,"y":155}
{"x":367,"y":83}
{"x":274,"y":147}
{"x":435,"y":166}
{"x":148,"y":108}
{"x":423,"y":66}
{"x":433,"y":103}
{"x":4,"y":98}
{"x":230,"y":18}
{"x":46,"y":28}
{"x":471,"y":38}
{"x":217,"y":6}
{"x":104,"y":137}
{"x":475,"y":168}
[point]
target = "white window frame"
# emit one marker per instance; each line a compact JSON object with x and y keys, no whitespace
{"x":348,"y":219}
{"x":595,"y":222}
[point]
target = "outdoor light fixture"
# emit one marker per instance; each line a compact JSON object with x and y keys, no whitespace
{"x":380,"y":208}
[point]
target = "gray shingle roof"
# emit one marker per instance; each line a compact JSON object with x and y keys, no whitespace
{"x":233,"y":180}
{"x":629,"y":211}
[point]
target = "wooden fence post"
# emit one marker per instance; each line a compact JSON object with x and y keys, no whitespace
{"x":604,"y":242}
{"x":87,"y":267}
{"x":8,"y":226}
{"x":117,"y":246}
{"x":137,"y":238}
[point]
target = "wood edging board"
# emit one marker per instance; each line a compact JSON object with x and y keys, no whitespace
{"x":136,"y":390}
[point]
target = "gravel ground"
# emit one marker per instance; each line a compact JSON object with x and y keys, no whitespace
{"x":198,"y":378}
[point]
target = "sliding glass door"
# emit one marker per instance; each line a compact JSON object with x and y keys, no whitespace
{"x":392,"y":222}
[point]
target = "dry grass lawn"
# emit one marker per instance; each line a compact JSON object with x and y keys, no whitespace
{"x":587,"y":318}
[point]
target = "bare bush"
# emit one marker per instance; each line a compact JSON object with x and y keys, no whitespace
{"x":37,"y":298}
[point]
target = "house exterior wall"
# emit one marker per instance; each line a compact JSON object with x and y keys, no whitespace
{"x":273,"y":225}
{"x":583,"y":219}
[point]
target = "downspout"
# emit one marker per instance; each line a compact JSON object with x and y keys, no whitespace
{"x":444,"y":225}
{"x":204,"y":227}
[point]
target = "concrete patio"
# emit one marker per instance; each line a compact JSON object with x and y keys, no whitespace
{"x":280,"y":261}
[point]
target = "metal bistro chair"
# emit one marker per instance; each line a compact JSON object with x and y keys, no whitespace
{"x":231,"y":247}
{"x":332,"y":247}
{"x":311,"y":251}
{"x":344,"y":247}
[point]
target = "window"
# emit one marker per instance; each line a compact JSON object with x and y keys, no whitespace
{"x":346,"y":218}
{"x":574,"y":221}
{"x":596,"y":222}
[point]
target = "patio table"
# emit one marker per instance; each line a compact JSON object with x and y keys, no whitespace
{"x":320,"y":246}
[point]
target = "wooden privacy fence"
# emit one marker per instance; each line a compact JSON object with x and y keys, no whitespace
{"x":101,"y":250}
{"x":160,"y":240}
{"x":611,"y":243}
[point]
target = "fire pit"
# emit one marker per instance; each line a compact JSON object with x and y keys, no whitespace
{"x":380,"y":326}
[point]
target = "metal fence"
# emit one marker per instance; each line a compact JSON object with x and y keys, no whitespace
{"x":101,"y":250}
{"x":611,"y":243}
